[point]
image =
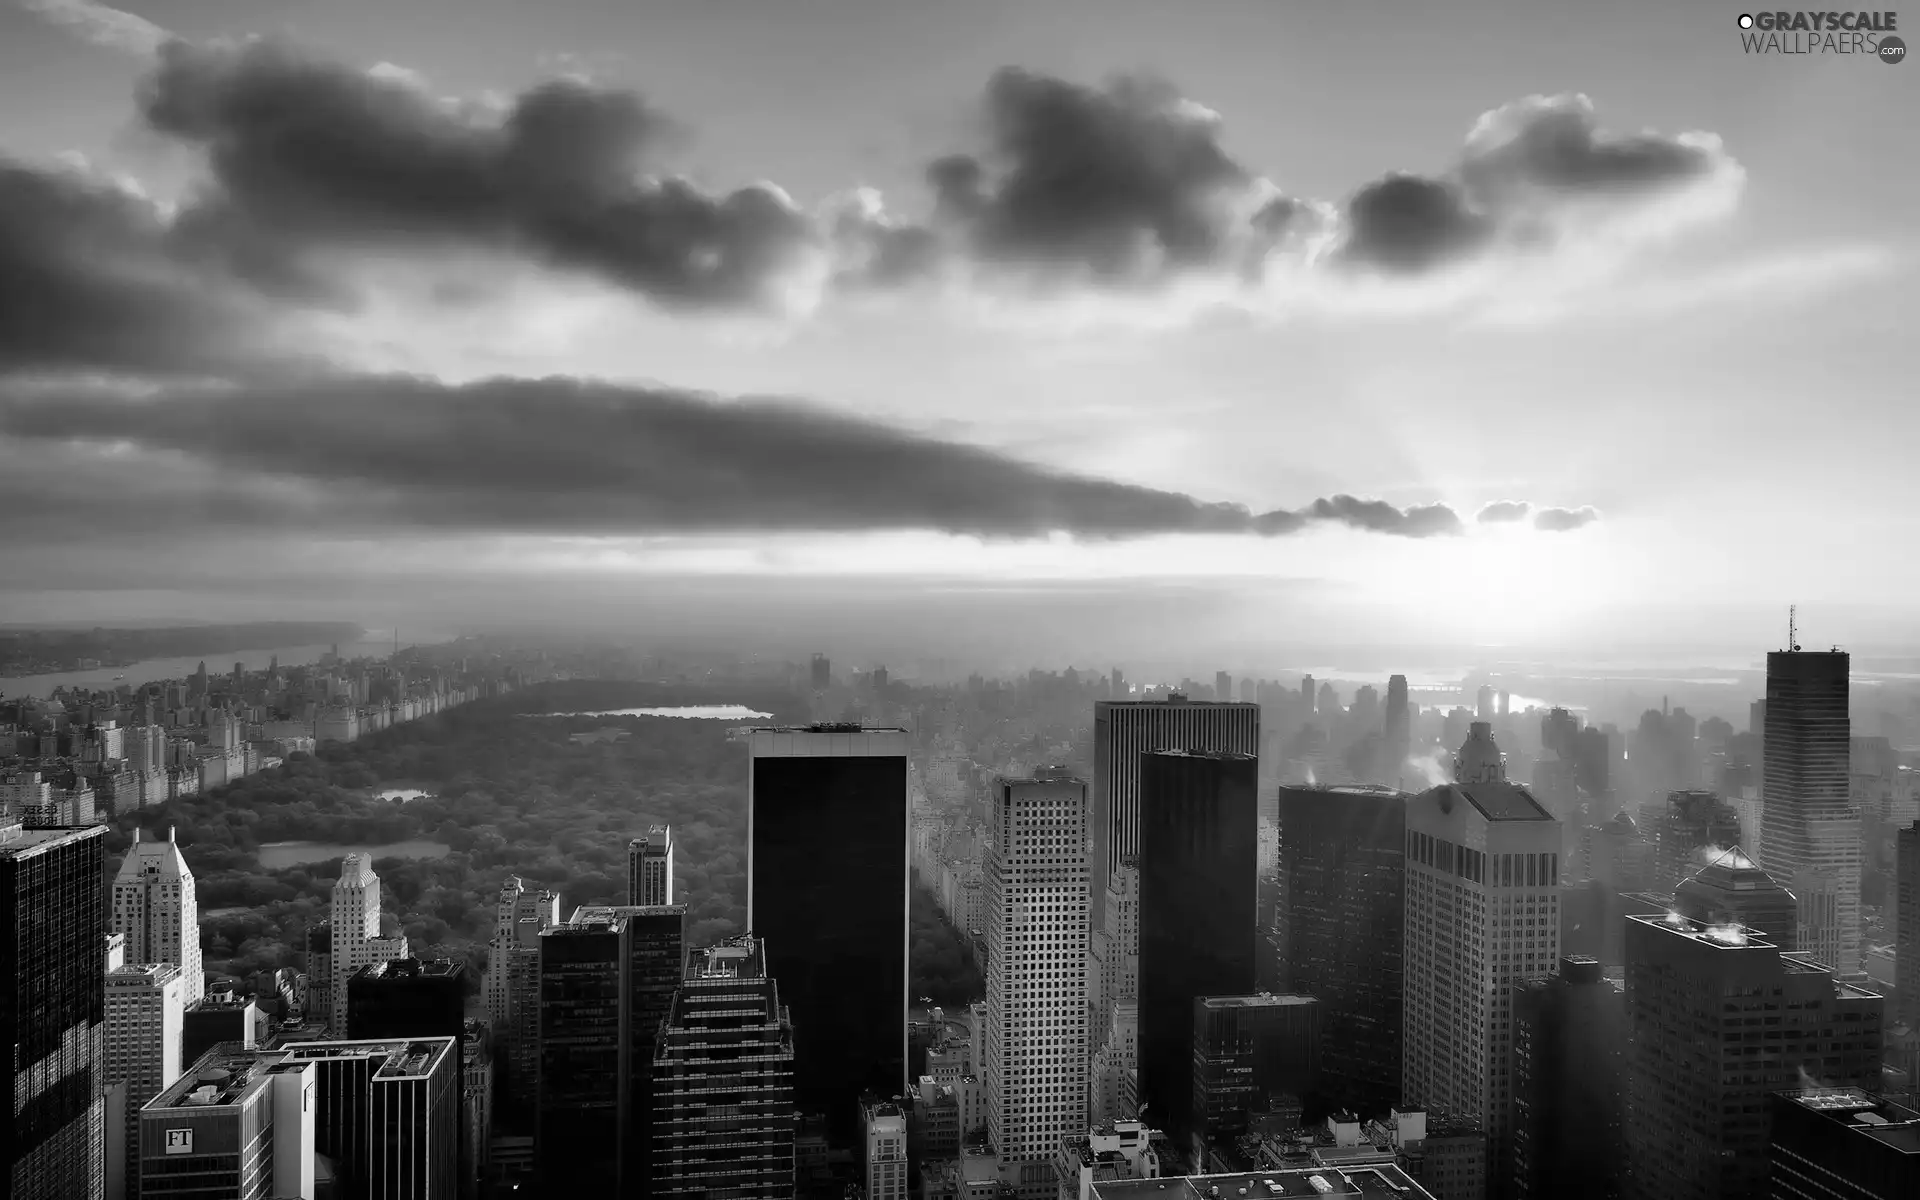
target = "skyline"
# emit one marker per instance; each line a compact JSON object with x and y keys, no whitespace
{"x":1659,"y":314}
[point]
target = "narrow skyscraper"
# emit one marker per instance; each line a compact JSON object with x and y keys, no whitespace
{"x":1811,"y":839}
{"x":1036,"y":1038}
{"x":1907,"y":925}
{"x":355,"y":932}
{"x":650,"y":867}
{"x":1396,"y":732}
{"x":1199,"y":910}
{"x":513,"y":992}
{"x":145,"y":1028}
{"x":827,"y":861}
{"x":154,"y":904}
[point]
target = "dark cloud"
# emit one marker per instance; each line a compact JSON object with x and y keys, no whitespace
{"x":309,"y":156}
{"x":564,"y":456}
{"x":1524,"y":167}
{"x":1560,"y":520}
{"x":1504,"y":510}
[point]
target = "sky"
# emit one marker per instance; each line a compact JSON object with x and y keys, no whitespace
{"x":1095,"y":326}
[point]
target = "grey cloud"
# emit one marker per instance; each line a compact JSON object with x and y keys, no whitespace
{"x":564,"y":456}
{"x":1504,"y":510}
{"x":1560,"y":520}
{"x":309,"y":155}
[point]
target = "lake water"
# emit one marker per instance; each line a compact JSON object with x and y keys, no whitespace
{"x":402,"y":794}
{"x":276,"y":855}
{"x":158,"y":669}
{"x":702,"y":712}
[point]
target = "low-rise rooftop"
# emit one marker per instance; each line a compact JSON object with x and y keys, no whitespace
{"x":1372,"y":1182}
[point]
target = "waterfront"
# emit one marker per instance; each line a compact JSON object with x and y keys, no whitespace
{"x":157,"y":669}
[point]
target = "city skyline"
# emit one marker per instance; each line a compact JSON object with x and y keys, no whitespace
{"x":1702,"y":233}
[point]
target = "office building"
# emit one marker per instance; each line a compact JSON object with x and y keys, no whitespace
{"x":1117,"y":1061}
{"x":1123,"y":730}
{"x":723,"y":1071}
{"x":1812,"y":831}
{"x":827,"y":887}
{"x":1906,"y":916}
{"x":886,"y":1151}
{"x":1731,"y":889}
{"x":650,"y":867}
{"x":354,"y":933}
{"x":1198,"y":911}
{"x":407,"y":998}
{"x":239,"y":1124}
{"x":476,"y":1103}
{"x":387,"y":1115}
{"x":1111,"y":1151}
{"x":154,"y":905}
{"x":52,"y":913}
{"x":1396,"y":735}
{"x":1569,"y":1085}
{"x":1717,"y":1020}
{"x":1482,"y":911}
{"x":145,"y":1018}
{"x":513,"y":992}
{"x":1383,"y":1181}
{"x":1035,"y":1048}
{"x":1683,"y":829}
{"x":1842,"y":1144}
{"x":1337,"y":933}
{"x":1252,"y":1055}
{"x":656,"y":938}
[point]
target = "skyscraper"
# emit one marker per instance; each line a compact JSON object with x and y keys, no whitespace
{"x":1396,"y":732}
{"x":1569,"y":1085}
{"x":155,"y":906}
{"x":1251,"y":1055}
{"x":407,"y":998}
{"x":386,"y":1114}
{"x":1198,"y":911}
{"x":1338,"y":933}
{"x":1482,"y":910}
{"x":513,"y":991}
{"x":1689,"y":825}
{"x":1036,"y":1038}
{"x":53,"y":922}
{"x":356,"y":939}
{"x":145,"y":1019}
{"x":650,"y":867}
{"x":1906,"y":913}
{"x":886,"y":1151}
{"x":1811,"y":837}
{"x":827,"y":860}
{"x":240,"y":1125}
{"x":1730,"y":889}
{"x":723,"y":1080}
{"x":1842,"y":1142}
{"x":1699,"y":1074}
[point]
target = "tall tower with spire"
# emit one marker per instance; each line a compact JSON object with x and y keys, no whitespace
{"x":155,"y":907}
{"x":356,"y":931}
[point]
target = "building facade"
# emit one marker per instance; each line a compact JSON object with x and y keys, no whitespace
{"x":1252,"y":1055}
{"x":238,"y":1125}
{"x":387,"y":1115}
{"x":355,"y":933}
{"x":1842,"y":1144}
{"x":145,"y":1025}
{"x":650,"y":867}
{"x":1811,"y":828}
{"x":155,"y":905}
{"x":1569,"y":1085}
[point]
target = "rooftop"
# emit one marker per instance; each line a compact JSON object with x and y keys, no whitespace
{"x":1263,"y":1000}
{"x":1382,"y":1182}
{"x":404,"y":1058}
{"x":223,"y":1076}
{"x":1495,"y":801}
{"x":1719,"y":937}
{"x":412,"y":968}
{"x":1174,"y":698}
{"x":1890,"y":1124}
{"x":17,"y":841}
{"x":1344,"y":789}
{"x":1211,"y":755}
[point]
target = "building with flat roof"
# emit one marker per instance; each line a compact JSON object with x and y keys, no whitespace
{"x":407,"y":997}
{"x":1384,"y":1181}
{"x":1569,"y":1084}
{"x":1842,"y":1144}
{"x":1110,"y":1151}
{"x":1252,"y":1055}
{"x":827,"y":885}
{"x":387,"y":1114}
{"x":145,"y":1011}
{"x":650,"y":867}
{"x":1811,"y":826}
{"x":239,"y":1124}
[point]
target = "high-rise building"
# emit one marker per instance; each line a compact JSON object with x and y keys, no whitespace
{"x":1731,"y":889}
{"x":513,"y":993}
{"x":827,"y":861}
{"x":656,"y":964}
{"x":53,"y":922}
{"x":1699,"y":1074}
{"x":650,"y":867}
{"x":1907,"y":925}
{"x":1117,"y":1059}
{"x":1811,"y":840}
{"x":1482,"y":910}
{"x":1396,"y":733}
{"x":724,"y":1119}
{"x":822,"y":673}
{"x":1338,"y":934}
{"x":386,"y":1115}
{"x":145,"y":1012}
{"x":1685,"y":829}
{"x":885,"y":1122}
{"x":1569,"y":1085}
{"x":239,"y":1123}
{"x":211,"y":1020}
{"x":1252,"y":1055}
{"x":1036,"y":1037}
{"x":155,"y":906}
{"x":1198,"y":911}
{"x":1842,"y":1144}
{"x":1381,"y":1181}
{"x":407,"y":998}
{"x":582,"y":1084}
{"x":355,"y":932}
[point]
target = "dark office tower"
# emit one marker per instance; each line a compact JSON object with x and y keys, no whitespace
{"x":1732,"y":890}
{"x":657,"y":958}
{"x":1396,"y":733}
{"x":1252,"y":1055}
{"x":1842,"y":1144}
{"x":1338,"y":931}
{"x":407,"y":998}
{"x":1906,"y":915}
{"x":1698,"y":1074}
{"x":650,"y":867}
{"x":52,"y":926}
{"x":1198,"y":905}
{"x":386,"y":1114}
{"x":1306,"y":691}
{"x":1222,"y":686}
{"x":822,"y":673}
{"x":1688,"y":824}
{"x":1123,"y":730}
{"x":723,"y":1070}
{"x":585,"y":968}
{"x":1810,"y":841}
{"x":1569,"y":1085}
{"x":827,"y":890}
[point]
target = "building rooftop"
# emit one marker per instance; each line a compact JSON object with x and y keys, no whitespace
{"x":1495,"y":801}
{"x":17,"y":841}
{"x":1372,"y":1182}
{"x":826,"y":727}
{"x":404,"y":1058}
{"x":1213,"y":755}
{"x":1719,"y":937}
{"x":1262,"y":1000}
{"x":1344,"y":789}
{"x":223,"y":1076}
{"x":1174,"y":698}
{"x":1892,"y":1125}
{"x":607,"y":914}
{"x":411,"y":968}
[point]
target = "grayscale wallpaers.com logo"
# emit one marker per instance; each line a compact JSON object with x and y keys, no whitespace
{"x":1865,"y":33}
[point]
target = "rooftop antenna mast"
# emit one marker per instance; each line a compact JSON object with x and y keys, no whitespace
{"x":1793,"y":627}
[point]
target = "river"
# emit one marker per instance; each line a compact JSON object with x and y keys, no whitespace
{"x":158,"y":669}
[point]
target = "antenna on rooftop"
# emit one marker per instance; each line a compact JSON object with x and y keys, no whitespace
{"x":1793,"y":627}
